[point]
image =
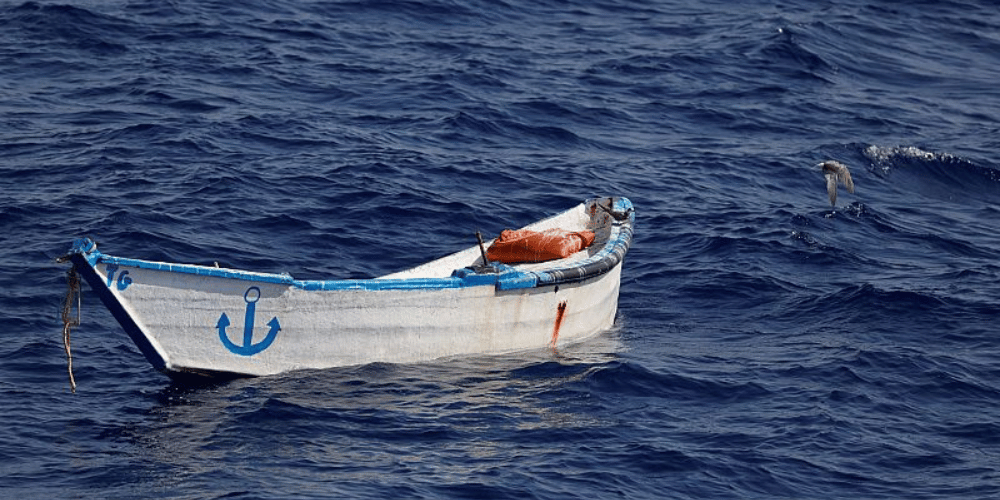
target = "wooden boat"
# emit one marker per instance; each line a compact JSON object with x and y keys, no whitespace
{"x":191,"y":320}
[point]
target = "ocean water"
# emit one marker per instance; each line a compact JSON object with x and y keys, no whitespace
{"x":768,"y":345}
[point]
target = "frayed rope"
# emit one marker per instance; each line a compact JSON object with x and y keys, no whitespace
{"x":73,"y":294}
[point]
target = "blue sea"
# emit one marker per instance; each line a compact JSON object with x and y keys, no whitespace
{"x":768,"y":345}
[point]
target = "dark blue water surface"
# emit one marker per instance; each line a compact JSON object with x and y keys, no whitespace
{"x":767,"y":344}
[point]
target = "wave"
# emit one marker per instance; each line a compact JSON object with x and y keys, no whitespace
{"x":68,"y":27}
{"x":629,"y":378}
{"x":768,"y":345}
{"x":931,"y":175}
{"x":961,"y":171}
{"x":785,"y":53}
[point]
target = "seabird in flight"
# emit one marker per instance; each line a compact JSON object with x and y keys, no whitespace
{"x":835,"y":172}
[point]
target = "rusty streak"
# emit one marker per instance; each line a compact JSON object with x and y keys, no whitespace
{"x":560,"y":314}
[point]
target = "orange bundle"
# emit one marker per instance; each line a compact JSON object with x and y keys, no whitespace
{"x":525,"y":245}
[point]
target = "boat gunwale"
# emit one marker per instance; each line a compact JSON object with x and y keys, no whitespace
{"x":505,"y":277}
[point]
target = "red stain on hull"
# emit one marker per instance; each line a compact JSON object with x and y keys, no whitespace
{"x":560,"y":314}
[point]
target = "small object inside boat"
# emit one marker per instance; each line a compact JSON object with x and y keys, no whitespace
{"x":525,"y":245}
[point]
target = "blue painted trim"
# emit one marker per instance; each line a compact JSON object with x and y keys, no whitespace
{"x":507,"y":278}
{"x":517,"y":280}
{"x":94,"y":257}
{"x":216,"y":272}
{"x":371,"y":285}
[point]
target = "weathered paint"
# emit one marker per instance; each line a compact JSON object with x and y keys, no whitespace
{"x":179,"y":314}
{"x":560,"y":313}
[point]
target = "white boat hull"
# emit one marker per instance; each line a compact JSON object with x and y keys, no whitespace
{"x":196,"y":320}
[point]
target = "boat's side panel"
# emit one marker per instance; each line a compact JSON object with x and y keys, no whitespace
{"x":408,"y":326}
{"x":208,"y":323}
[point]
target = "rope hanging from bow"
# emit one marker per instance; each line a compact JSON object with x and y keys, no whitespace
{"x":73,"y":294}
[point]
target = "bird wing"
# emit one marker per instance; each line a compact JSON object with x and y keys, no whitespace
{"x":831,"y":186}
{"x":845,"y":176}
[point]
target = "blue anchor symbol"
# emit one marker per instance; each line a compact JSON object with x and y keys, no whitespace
{"x":248,"y":348}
